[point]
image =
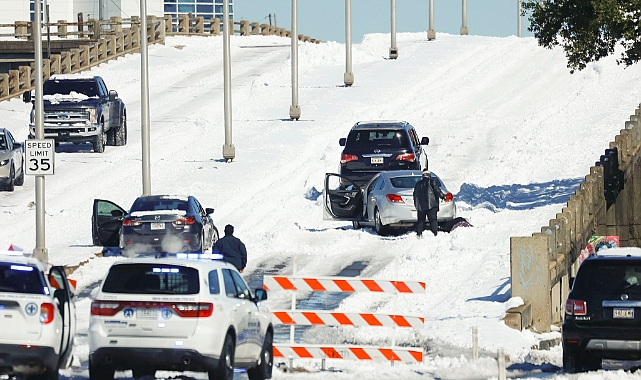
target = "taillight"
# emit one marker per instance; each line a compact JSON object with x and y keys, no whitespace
{"x":449,"y":197}
{"x":47,"y":312}
{"x":348,"y":157}
{"x":406,"y":157}
{"x":576,"y":307}
{"x":105,"y":309}
{"x":394,"y":198}
{"x":194,"y":310}
{"x":190,"y":220}
{"x":130,"y":223}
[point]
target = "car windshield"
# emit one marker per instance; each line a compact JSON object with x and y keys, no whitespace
{"x":614,"y":278}
{"x":381,"y":138}
{"x":410,"y":181}
{"x":151,"y":279}
{"x":158,"y":205}
{"x":65,"y":87}
{"x":20,"y":278}
{"x":3,"y":142}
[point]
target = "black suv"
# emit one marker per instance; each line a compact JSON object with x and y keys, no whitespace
{"x":375,"y":146}
{"x":603,"y":311}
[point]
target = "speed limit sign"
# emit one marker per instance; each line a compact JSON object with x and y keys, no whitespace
{"x":39,"y":158}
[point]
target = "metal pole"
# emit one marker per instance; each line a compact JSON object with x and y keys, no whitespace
{"x":518,"y":26}
{"x":40,"y":251}
{"x":475,"y":342}
{"x":431,"y":34}
{"x":229,"y":151}
{"x":464,"y":26}
{"x":501,"y":364}
{"x":294,"y":109}
{"x":393,"y":50}
{"x":144,"y":95}
{"x":348,"y":78}
{"x":48,"y":30}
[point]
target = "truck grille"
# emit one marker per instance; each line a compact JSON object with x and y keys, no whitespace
{"x":66,"y":116}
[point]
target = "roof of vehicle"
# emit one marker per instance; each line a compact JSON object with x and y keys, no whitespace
{"x":72,"y":77}
{"x":198,"y":263}
{"x":381,"y":124}
{"x":17,"y":257}
{"x":401,"y":173}
{"x":623,"y":253}
{"x":151,"y":198}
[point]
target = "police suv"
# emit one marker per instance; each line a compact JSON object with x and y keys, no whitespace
{"x":179,"y":314}
{"x":38,"y":318}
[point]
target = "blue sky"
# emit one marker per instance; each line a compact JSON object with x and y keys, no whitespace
{"x":325,"y":19}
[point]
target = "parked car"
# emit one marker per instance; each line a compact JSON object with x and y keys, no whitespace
{"x":11,"y":161}
{"x":38,"y":318}
{"x":80,"y":109}
{"x":179,"y":315}
{"x":386,"y":201}
{"x":603,"y":311}
{"x":154,"y":224}
{"x":375,"y":146}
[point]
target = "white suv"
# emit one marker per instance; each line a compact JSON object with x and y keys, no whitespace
{"x":38,"y":318}
{"x":178,"y":314}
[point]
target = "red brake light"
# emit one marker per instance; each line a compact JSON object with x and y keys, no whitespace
{"x":189,"y":220}
{"x":194,"y":310}
{"x":449,"y":197}
{"x":576,"y":307}
{"x":348,"y":157}
{"x":130,"y":222}
{"x":185,"y":310}
{"x":105,"y":309}
{"x":394,"y":198}
{"x":47,"y":312}
{"x":406,"y":157}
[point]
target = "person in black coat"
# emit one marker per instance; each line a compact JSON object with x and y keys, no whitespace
{"x":426,"y":199}
{"x":232,"y":249}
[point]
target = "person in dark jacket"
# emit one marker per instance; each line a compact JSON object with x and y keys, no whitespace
{"x":232,"y":249}
{"x":426,"y":199}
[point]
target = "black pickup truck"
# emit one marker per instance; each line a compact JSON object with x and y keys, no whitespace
{"x":80,"y":109}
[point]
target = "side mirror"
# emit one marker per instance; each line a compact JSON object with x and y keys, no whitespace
{"x":209,"y":210}
{"x":113,"y":95}
{"x":17,"y":145}
{"x":26,"y":96}
{"x":261,"y":294}
{"x":342,"y":141}
{"x":425,"y":141}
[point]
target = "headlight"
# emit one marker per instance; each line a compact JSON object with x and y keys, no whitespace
{"x":3,"y":163}
{"x":93,"y":115}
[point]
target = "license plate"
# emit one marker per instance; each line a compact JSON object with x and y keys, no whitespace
{"x":157,"y":226}
{"x":147,"y":313}
{"x":377,"y":160}
{"x":623,"y":313}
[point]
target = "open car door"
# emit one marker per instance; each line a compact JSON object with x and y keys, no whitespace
{"x":343,"y":199}
{"x":106,"y":222}
{"x":67,"y":308}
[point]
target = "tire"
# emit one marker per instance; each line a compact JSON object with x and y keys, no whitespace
{"x":356,"y":224}
{"x":574,"y":362}
{"x":12,"y":174}
{"x":99,"y":142}
{"x":225,"y":368}
{"x":20,"y":180}
{"x":100,"y":373}
{"x":379,"y":227}
{"x":265,"y":365}
{"x":121,"y":133}
{"x":111,"y":137}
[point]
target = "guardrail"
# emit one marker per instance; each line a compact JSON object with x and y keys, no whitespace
{"x":332,"y":318}
{"x":608,"y":203}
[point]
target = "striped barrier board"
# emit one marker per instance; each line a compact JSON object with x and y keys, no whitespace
{"x":332,"y":318}
{"x":324,"y":351}
{"x":342,"y":284}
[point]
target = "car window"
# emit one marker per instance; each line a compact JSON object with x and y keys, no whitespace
{"x":198,"y":207}
{"x":66,"y":87}
{"x":405,"y":182}
{"x":158,"y":205}
{"x":379,"y":183}
{"x":414,"y":138}
{"x":230,"y":287}
{"x":600,"y":279}
{"x":360,"y":138}
{"x":108,"y":209}
{"x":102,"y":88}
{"x":152,"y":278}
{"x":19,"y":278}
{"x":214,"y":284}
{"x":3,"y":142}
{"x":241,"y":287}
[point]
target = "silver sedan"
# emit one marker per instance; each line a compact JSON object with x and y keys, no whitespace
{"x":385,"y":201}
{"x":11,"y":161}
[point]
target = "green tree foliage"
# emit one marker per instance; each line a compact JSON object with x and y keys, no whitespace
{"x":587,"y":30}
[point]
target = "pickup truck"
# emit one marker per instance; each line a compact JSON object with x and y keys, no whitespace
{"x":80,"y":109}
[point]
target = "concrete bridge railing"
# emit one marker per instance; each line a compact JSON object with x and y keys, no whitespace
{"x":608,"y":202}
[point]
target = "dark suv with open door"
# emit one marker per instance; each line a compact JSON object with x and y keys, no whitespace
{"x":375,"y":146}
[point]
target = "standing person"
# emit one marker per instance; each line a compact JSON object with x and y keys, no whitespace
{"x":426,"y":198}
{"x":232,"y":249}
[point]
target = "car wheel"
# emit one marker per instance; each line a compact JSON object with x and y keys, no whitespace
{"x":12,"y":174}
{"x":20,"y":180}
{"x":380,"y":228}
{"x":121,"y":133}
{"x":111,"y":137}
{"x":263,"y":369}
{"x":356,"y":224}
{"x":99,"y":142}
{"x":225,"y":368}
{"x":100,"y":373}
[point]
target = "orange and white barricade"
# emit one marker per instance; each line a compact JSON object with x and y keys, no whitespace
{"x":342,"y":284}
{"x":326,"y":351}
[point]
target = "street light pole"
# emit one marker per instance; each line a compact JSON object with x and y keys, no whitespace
{"x":144,"y":95}
{"x":431,"y":34}
{"x":40,"y":251}
{"x":464,"y":26}
{"x":229,"y":151}
{"x":294,"y":110}
{"x":348,"y":78}
{"x":518,"y":23}
{"x":393,"y":50}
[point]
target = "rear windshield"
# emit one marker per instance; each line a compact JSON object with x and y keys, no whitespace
{"x":151,"y":279}
{"x":613,"y":278}
{"x":164,"y":204}
{"x":409,"y":182}
{"x":65,"y":87}
{"x":380,"y":138}
{"x":19,"y":278}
